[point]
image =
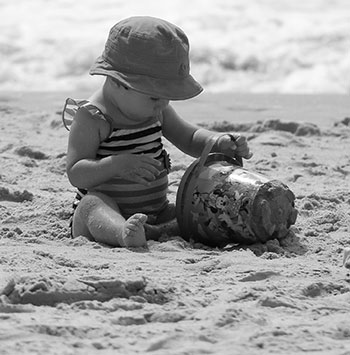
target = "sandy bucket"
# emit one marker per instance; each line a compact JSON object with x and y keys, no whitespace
{"x":219,"y":202}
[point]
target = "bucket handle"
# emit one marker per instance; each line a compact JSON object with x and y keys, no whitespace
{"x":207,"y":149}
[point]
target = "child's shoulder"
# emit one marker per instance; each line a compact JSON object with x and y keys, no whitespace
{"x":84,"y":110}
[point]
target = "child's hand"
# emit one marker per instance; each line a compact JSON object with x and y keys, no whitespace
{"x":234,"y":145}
{"x":138,"y":168}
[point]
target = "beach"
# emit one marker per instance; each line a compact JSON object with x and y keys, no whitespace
{"x":72,"y":296}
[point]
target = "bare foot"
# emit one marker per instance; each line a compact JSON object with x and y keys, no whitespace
{"x":134,"y":231}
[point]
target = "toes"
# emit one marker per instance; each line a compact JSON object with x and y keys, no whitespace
{"x":135,"y":222}
{"x":134,"y":231}
{"x":141,"y":217}
{"x":133,"y":227}
{"x":137,"y":219}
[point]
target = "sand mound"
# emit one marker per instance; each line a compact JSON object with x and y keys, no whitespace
{"x":297,"y":128}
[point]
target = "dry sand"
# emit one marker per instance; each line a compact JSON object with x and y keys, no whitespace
{"x":73,"y":296}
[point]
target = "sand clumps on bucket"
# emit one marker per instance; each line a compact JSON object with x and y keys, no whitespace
{"x":219,"y":203}
{"x":273,"y":211}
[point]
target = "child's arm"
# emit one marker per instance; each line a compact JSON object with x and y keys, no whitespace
{"x":84,"y":170}
{"x":192,"y":139}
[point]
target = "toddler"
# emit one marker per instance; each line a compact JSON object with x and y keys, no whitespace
{"x":115,"y":153}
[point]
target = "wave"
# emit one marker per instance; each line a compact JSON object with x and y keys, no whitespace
{"x":255,"y":46}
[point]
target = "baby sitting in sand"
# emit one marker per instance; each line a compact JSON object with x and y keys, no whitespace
{"x":115,"y":153}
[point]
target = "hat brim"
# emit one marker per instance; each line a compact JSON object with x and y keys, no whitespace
{"x":169,"y":89}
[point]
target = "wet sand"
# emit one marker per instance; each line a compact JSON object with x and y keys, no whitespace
{"x":72,"y":296}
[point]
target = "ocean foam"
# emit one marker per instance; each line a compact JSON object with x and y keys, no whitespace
{"x":250,"y":46}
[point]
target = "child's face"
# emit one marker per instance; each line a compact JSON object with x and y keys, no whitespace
{"x":135,"y":106}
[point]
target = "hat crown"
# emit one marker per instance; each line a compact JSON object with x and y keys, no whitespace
{"x":148,"y":46}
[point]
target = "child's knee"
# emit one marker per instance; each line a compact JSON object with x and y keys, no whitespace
{"x":95,"y":201}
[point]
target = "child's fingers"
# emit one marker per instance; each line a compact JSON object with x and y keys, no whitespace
{"x":138,"y":179}
{"x":227,"y":142}
{"x":236,"y":144}
{"x":242,"y":148}
{"x":247,"y":155}
{"x":149,"y":170}
{"x":150,"y":161}
{"x":239,"y":140}
{"x":244,"y":152}
{"x":149,"y":173}
{"x":144,"y":174}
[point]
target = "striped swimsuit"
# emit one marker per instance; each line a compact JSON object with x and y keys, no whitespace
{"x":130,"y":197}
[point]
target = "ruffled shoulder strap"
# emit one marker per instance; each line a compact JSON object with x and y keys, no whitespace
{"x":71,"y":107}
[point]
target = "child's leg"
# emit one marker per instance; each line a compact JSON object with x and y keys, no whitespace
{"x":168,"y":214}
{"x":98,"y":217}
{"x":163,"y":223}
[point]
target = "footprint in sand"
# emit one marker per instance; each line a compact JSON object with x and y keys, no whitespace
{"x":6,"y":148}
{"x":15,"y":196}
{"x":31,"y":153}
{"x":319,"y":289}
{"x":49,"y":291}
{"x":344,"y":122}
{"x":297,"y":128}
{"x":259,"y":275}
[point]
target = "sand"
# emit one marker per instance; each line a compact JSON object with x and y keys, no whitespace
{"x":72,"y":296}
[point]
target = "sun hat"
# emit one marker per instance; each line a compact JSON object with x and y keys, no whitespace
{"x":148,"y":55}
